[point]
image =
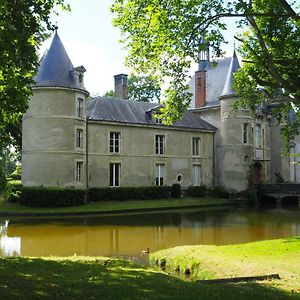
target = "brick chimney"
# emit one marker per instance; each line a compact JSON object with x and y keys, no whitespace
{"x":121,"y":86}
{"x":200,"y":88}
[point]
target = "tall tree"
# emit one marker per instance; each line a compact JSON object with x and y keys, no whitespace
{"x":23,"y":26}
{"x":143,"y":88}
{"x":164,"y":36}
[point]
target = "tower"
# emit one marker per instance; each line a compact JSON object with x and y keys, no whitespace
{"x":235,"y":152}
{"x":54,"y":126}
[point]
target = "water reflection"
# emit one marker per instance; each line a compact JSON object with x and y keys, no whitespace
{"x":127,"y":235}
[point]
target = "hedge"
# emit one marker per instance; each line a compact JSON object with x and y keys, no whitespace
{"x":51,"y":197}
{"x":219,"y":192}
{"x":196,"y":191}
{"x":62,"y":197}
{"x":128,"y":193}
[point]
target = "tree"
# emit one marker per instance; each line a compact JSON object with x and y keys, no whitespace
{"x":24,"y":24}
{"x":141,"y":88}
{"x":164,"y":37}
{"x":270,"y":49}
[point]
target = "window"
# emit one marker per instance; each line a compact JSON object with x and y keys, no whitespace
{"x":245,"y":133}
{"x":258,"y":138}
{"x":157,"y":120}
{"x":114,"y":174}
{"x":196,"y":146}
{"x":79,"y":138}
{"x":246,"y":160}
{"x":79,"y":171}
{"x":159,"y":144}
{"x":159,"y":174}
{"x":79,"y":108}
{"x":114,"y":142}
{"x":196,"y":175}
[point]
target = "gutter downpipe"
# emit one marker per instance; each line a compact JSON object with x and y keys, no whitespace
{"x":214,"y":160}
{"x":86,"y":161}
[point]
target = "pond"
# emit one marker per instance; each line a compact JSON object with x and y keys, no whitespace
{"x":127,"y":234}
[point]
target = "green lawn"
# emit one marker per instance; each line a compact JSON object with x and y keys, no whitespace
{"x":100,"y":278}
{"x":260,"y":258}
{"x":109,"y":206}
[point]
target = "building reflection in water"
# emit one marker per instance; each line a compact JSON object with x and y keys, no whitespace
{"x":9,"y":246}
{"x":128,"y":235}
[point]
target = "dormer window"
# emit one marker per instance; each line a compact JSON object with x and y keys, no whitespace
{"x":78,"y":75}
{"x":157,"y":119}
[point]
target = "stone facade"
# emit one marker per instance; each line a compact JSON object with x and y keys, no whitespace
{"x":69,"y":141}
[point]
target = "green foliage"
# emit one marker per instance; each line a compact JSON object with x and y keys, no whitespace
{"x":109,"y":94}
{"x":13,"y":191}
{"x":143,"y":88}
{"x":196,"y":191}
{"x":23,"y":26}
{"x":164,"y":37}
{"x":128,"y":193}
{"x":175,"y":190}
{"x":218,"y":192}
{"x":270,"y":50}
{"x":51,"y":197}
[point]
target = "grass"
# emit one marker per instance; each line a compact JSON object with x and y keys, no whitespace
{"x":260,"y":258}
{"x":110,"y":206}
{"x":100,"y":278}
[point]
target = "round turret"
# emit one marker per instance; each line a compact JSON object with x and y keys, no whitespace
{"x":54,"y":126}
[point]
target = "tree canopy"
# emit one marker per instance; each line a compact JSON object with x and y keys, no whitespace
{"x":164,"y":37}
{"x":141,"y":88}
{"x":23,"y":26}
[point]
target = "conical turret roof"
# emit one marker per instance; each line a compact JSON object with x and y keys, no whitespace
{"x":234,"y":66}
{"x":56,"y":68}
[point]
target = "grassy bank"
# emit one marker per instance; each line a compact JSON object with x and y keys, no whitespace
{"x":112,"y":206}
{"x":252,"y":259}
{"x":100,"y":278}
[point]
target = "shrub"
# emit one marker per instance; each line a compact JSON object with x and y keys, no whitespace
{"x":176,"y":190}
{"x":196,"y":191}
{"x":128,"y":193}
{"x":13,"y":191}
{"x":51,"y":197}
{"x":219,"y":192}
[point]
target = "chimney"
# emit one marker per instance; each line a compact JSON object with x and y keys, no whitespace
{"x":121,"y":86}
{"x":200,"y":88}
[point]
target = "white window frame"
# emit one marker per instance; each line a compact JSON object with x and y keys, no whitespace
{"x":196,"y":146}
{"x":194,"y":183}
{"x":78,"y":171}
{"x":114,"y":178}
{"x":79,"y":107}
{"x":115,"y":142}
{"x":159,"y":144}
{"x":160,"y":176}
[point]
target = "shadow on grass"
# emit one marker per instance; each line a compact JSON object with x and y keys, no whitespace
{"x":24,"y":278}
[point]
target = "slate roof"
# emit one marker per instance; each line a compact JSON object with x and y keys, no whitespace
{"x":136,"y":112}
{"x":234,"y":66}
{"x":56,"y":68}
{"x":217,"y":81}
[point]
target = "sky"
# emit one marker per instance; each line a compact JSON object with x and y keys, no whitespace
{"x":91,"y":40}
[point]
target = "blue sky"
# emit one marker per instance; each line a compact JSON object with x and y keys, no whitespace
{"x":91,"y":40}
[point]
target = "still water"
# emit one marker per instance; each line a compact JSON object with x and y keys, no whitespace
{"x":127,"y":235}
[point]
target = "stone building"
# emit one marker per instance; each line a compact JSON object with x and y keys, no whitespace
{"x":70,"y":140}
